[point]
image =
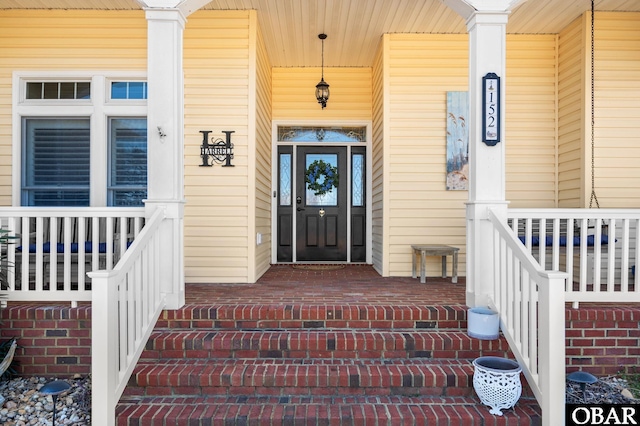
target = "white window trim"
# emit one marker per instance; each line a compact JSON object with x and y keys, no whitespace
{"x":98,"y":109}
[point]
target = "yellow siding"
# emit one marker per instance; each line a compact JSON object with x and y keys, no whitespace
{"x":617,"y":118}
{"x":263,"y":158}
{"x":217,"y":80}
{"x":571,"y":107}
{"x":230,"y":85}
{"x":62,"y":40}
{"x":617,"y":111}
{"x":72,"y":39}
{"x":217,"y":97}
{"x":294,"y":94}
{"x":422,"y":69}
{"x":531,"y":121}
{"x":377,"y":167}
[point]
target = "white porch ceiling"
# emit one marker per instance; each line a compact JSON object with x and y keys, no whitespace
{"x":354,"y":27}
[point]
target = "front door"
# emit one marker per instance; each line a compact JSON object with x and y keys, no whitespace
{"x":321,"y":203}
{"x":320,"y":194}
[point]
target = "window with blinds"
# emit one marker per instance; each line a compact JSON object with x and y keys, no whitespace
{"x":56,"y":162}
{"x":80,"y":150}
{"x":127,"y":161}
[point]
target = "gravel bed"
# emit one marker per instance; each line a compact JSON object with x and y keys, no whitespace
{"x":607,"y":390}
{"x":23,"y":405}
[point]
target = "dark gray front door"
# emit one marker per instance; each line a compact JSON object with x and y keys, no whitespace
{"x":321,"y":220}
{"x":317,"y":225}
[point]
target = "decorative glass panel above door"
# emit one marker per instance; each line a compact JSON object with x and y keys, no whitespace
{"x":321,"y":134}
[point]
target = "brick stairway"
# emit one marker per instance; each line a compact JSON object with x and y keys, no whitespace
{"x":311,"y":363}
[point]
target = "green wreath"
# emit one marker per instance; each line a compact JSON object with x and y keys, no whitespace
{"x":321,"y":177}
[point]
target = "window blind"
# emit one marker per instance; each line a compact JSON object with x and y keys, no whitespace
{"x":128,"y":162}
{"x":56,"y":164}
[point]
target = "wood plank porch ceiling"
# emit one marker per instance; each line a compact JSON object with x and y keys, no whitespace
{"x":354,"y":27}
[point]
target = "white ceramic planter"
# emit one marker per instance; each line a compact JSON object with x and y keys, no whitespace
{"x":497,"y":382}
{"x":483,"y":323}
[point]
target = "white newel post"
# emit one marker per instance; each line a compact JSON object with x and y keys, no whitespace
{"x":165,"y":121}
{"x":104,"y":354}
{"x":486,"y":24}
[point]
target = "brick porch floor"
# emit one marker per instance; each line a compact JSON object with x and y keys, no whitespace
{"x":358,"y":284}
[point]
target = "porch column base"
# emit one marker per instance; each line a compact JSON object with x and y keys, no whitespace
{"x":480,"y":253}
{"x":172,"y":251}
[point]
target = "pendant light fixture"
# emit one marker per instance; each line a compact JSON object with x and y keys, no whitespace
{"x":322,"y":88}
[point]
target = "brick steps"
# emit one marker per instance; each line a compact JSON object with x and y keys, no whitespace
{"x":319,"y":343}
{"x":321,"y":410}
{"x":304,"y":377}
{"x":313,"y":364}
{"x":310,"y":315}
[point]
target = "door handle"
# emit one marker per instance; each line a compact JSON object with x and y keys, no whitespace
{"x":299,"y":209}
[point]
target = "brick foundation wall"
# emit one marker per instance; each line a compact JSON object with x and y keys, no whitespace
{"x":53,"y":341}
{"x":603,"y":340}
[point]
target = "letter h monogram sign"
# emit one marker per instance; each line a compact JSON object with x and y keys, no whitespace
{"x":217,"y":150}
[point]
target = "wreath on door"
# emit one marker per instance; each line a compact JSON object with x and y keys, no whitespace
{"x":321,"y":177}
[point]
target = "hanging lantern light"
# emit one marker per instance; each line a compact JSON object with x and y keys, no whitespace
{"x":322,"y":88}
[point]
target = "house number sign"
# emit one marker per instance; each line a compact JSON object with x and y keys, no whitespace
{"x":217,"y":150}
{"x":491,"y":109}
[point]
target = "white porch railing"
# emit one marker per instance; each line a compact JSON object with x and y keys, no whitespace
{"x":596,"y":247}
{"x":127,"y":302}
{"x":56,"y":247}
{"x":530,"y":302}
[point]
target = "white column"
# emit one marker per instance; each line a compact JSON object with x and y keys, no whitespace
{"x":486,"y":24}
{"x":165,"y":120}
{"x":487,"y":54}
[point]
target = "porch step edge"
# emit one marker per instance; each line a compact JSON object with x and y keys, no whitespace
{"x":346,"y":410}
{"x":319,"y":343}
{"x":296,"y":377}
{"x":315,"y":373}
{"x":305,"y":315}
